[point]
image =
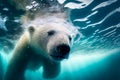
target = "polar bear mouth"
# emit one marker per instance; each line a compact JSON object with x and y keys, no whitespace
{"x":60,"y":57}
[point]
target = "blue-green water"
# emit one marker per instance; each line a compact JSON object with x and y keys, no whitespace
{"x":96,"y":56}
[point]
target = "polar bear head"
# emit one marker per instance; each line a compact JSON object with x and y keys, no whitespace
{"x":51,"y":40}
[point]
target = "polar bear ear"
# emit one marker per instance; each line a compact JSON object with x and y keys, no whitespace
{"x":31,"y":29}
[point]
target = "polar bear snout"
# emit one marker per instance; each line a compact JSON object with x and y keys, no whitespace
{"x":61,"y":52}
{"x":63,"y":49}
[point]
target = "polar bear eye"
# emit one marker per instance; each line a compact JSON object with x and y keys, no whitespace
{"x":70,"y":38}
{"x":52,"y":32}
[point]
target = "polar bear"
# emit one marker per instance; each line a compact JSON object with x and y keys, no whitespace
{"x":45,"y":42}
{"x":45,"y":45}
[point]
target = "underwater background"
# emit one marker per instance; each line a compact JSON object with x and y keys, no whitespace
{"x":96,"y":56}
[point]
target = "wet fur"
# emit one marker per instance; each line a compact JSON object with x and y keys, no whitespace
{"x":23,"y":56}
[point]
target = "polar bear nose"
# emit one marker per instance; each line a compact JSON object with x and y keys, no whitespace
{"x":63,"y":49}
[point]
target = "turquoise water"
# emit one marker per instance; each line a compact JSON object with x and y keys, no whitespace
{"x":95,"y":56}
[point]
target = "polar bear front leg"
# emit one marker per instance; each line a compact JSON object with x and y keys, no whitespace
{"x":19,"y":60}
{"x":51,"y":69}
{"x":16,"y":68}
